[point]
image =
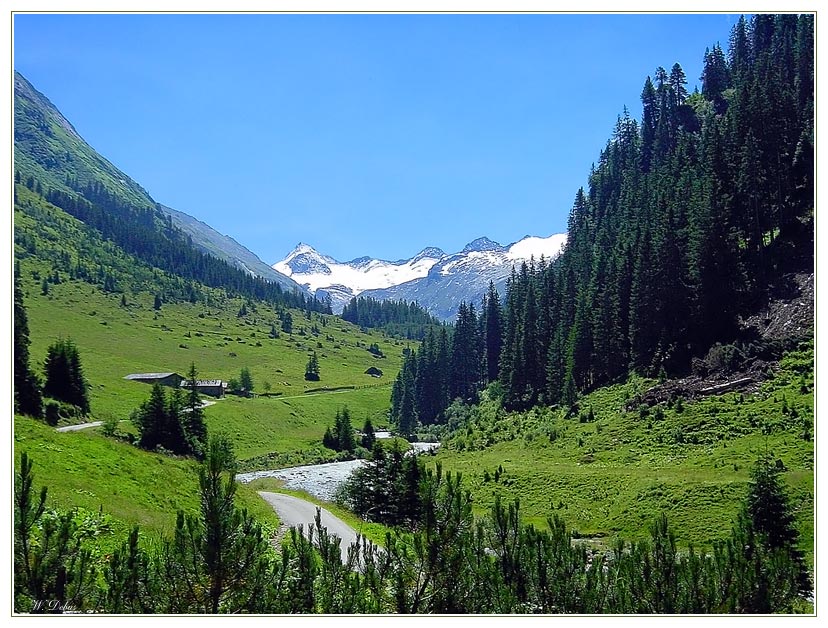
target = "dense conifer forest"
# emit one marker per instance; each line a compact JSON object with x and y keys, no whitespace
{"x":690,"y":216}
{"x":397,"y":318}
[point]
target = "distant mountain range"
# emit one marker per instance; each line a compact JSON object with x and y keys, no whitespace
{"x":438,"y":281}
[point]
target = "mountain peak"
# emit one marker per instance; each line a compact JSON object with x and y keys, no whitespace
{"x":301,"y":248}
{"x":430,"y":252}
{"x":304,"y":259}
{"x":482,"y":244}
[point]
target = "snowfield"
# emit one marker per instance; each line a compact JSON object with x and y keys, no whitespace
{"x":358,"y":275}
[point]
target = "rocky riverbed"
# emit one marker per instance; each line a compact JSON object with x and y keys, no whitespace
{"x":319,"y":480}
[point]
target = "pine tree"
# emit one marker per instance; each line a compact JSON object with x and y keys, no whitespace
{"x":219,"y":556}
{"x":368,"y":436}
{"x":769,"y":510}
{"x":329,"y":440}
{"x":65,"y":380}
{"x":312,"y":368}
{"x":27,"y":396}
{"x":406,"y":417}
{"x":287,"y":322}
{"x":52,"y":564}
{"x":493,"y":333}
{"x":465,"y":360}
{"x":343,"y":430}
{"x":246,"y":381}
{"x":715,"y":78}
{"x":151,"y":419}
{"x":194,"y":427}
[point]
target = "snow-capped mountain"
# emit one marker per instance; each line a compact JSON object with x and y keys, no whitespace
{"x":325,"y":276}
{"x":436,"y":280}
{"x":465,"y":276}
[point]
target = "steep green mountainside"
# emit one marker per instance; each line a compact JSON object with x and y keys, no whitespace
{"x":130,"y":299}
{"x":48,"y":148}
{"x":689,"y":258}
{"x":49,"y":153}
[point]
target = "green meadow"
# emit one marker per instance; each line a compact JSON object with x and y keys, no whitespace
{"x":282,"y":426}
{"x":613,"y":475}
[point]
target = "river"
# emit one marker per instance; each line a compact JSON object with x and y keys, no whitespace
{"x":319,"y":480}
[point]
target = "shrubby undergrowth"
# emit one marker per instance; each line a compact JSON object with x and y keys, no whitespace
{"x":439,"y":560}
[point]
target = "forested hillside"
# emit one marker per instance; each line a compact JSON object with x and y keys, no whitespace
{"x":52,"y":160}
{"x":400,"y":318}
{"x":691,"y":217}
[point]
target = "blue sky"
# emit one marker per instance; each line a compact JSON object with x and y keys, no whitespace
{"x":359,"y":134}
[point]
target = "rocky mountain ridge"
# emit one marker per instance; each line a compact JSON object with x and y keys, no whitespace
{"x":437,"y":280}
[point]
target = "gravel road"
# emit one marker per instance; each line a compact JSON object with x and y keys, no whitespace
{"x":82,"y":426}
{"x":294,"y":512}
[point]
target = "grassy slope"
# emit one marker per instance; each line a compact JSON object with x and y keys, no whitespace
{"x":612,"y":477}
{"x":88,"y":470}
{"x":115,"y":341}
{"x":85,"y":470}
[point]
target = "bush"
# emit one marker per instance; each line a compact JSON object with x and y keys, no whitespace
{"x":724,"y":358}
{"x":109,"y":425}
{"x":52,"y":413}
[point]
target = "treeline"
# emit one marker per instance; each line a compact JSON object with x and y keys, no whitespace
{"x":397,"y":318}
{"x":451,"y":364}
{"x":689,"y":216}
{"x":150,"y":236}
{"x":222,"y":561}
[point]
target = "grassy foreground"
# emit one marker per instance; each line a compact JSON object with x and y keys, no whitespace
{"x":86,"y":470}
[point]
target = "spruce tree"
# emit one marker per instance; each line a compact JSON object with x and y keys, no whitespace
{"x":769,"y":510}
{"x":493,"y":333}
{"x":27,"y":396}
{"x":246,"y":381}
{"x":151,"y":419}
{"x":344,"y":431}
{"x":329,"y":440}
{"x":65,"y":380}
{"x":312,"y":368}
{"x":368,"y":436}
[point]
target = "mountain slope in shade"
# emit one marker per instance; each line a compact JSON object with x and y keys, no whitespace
{"x":437,"y":281}
{"x":49,"y":148}
{"x":325,"y":276}
{"x":224,"y":247}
